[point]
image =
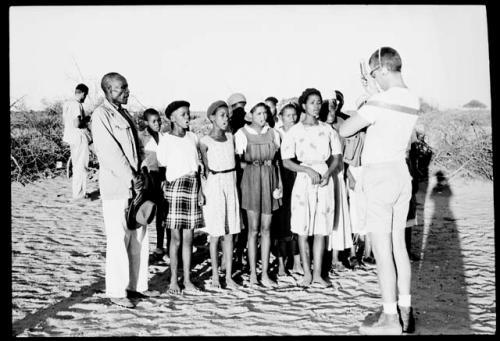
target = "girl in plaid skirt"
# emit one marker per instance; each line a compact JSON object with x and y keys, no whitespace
{"x":178,"y":152}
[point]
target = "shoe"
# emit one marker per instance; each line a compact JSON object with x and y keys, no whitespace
{"x":387,"y":324}
{"x":353,"y":262}
{"x":369,"y":260}
{"x":122,"y":302}
{"x":407,"y":319}
{"x":140,"y":295}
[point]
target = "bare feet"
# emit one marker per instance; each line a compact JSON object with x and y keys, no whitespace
{"x":189,"y":286}
{"x":320,"y":282}
{"x":281,"y":271}
{"x":306,"y":280}
{"x":254,"y":280}
{"x":298,"y":269}
{"x":174,"y":288}
{"x":231,"y":284}
{"x":215,"y":282}
{"x":267,"y":282}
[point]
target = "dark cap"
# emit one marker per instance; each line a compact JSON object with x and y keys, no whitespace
{"x":174,"y":106}
{"x":272,"y":99}
{"x":214,"y":106}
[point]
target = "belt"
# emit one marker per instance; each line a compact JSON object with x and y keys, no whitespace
{"x":222,"y":171}
{"x":260,"y":162}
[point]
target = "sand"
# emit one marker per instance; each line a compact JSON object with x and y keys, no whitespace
{"x":58,"y":254}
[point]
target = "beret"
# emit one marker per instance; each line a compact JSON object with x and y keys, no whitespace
{"x":292,"y":102}
{"x":235,"y":98}
{"x":174,"y":106}
{"x":214,"y":106}
{"x":306,"y":93}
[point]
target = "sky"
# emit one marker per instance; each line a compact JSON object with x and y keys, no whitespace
{"x":204,"y":53}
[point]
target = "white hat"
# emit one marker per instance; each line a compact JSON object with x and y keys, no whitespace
{"x":236,"y":98}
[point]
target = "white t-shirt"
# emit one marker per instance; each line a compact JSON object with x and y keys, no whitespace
{"x":388,"y":134}
{"x":71,"y":110}
{"x":150,"y":149}
{"x":178,"y":154}
{"x":240,"y":139}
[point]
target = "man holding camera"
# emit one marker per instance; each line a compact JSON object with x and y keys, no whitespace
{"x":390,"y":116}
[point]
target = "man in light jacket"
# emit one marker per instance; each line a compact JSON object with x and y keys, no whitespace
{"x":119,"y":153}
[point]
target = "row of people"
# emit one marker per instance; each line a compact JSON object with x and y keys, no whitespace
{"x":255,"y":181}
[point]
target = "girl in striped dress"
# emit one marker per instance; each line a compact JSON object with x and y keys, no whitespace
{"x":178,"y":152}
{"x":222,"y":209}
{"x":257,"y":146}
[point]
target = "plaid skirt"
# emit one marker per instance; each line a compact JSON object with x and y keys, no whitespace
{"x":182,"y":200}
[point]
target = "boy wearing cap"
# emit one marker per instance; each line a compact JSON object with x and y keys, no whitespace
{"x":222,"y":209}
{"x":390,"y":116}
{"x":237,"y":115}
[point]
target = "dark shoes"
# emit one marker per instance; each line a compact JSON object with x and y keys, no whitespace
{"x":141,"y":295}
{"x":387,"y":324}
{"x":407,"y":319}
{"x":122,"y":302}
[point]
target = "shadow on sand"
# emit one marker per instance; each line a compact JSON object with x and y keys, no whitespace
{"x":438,"y":277}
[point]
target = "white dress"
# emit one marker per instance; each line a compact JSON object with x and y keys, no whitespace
{"x":312,"y":206}
{"x":221,"y":211}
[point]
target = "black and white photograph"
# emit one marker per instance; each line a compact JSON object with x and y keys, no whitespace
{"x":251,"y":170}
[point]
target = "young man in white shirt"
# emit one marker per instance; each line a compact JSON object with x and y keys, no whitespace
{"x":77,"y":137}
{"x":390,"y":115}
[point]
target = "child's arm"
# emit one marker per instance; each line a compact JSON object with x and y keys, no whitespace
{"x":204,"y":158}
{"x":200,"y":148}
{"x":295,"y":167}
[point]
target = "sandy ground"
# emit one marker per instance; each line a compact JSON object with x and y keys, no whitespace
{"x":58,"y":250}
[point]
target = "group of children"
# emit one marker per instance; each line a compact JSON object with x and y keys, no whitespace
{"x":285,"y":181}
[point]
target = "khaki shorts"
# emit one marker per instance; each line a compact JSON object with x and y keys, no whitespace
{"x":387,"y":191}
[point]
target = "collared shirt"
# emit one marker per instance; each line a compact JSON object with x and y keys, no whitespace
{"x":116,"y":150}
{"x":150,"y":149}
{"x":389,"y":133}
{"x":71,"y":110}
{"x":240,"y":139}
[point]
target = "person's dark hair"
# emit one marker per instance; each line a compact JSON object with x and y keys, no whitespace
{"x":323,"y":112}
{"x":82,"y":88}
{"x":340,"y":101}
{"x":305,"y":95}
{"x":149,"y":112}
{"x":388,"y":57}
{"x":272,"y":99}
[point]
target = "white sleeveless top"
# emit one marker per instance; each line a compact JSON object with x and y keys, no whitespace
{"x":220,"y":155}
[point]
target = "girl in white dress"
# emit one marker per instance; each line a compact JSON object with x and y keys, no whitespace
{"x":222,"y":209}
{"x":317,"y":148}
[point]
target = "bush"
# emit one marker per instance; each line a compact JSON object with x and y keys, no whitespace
{"x":460,"y":141}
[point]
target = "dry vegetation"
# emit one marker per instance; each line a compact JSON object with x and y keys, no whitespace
{"x":457,"y":142}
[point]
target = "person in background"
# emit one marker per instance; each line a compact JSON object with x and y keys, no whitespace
{"x":222,"y":209}
{"x":119,"y":153}
{"x":238,"y":118}
{"x":288,"y":247}
{"x":178,"y":151}
{"x":257,"y":145}
{"x":150,"y":138}
{"x":390,"y":116}
{"x":272,"y":119}
{"x":77,"y":136}
{"x":317,"y":147}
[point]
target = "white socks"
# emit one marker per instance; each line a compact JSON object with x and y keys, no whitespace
{"x":404,"y":300}
{"x":390,"y":308}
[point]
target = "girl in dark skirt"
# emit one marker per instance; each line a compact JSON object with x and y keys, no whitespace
{"x":257,"y":145}
{"x":178,"y":152}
